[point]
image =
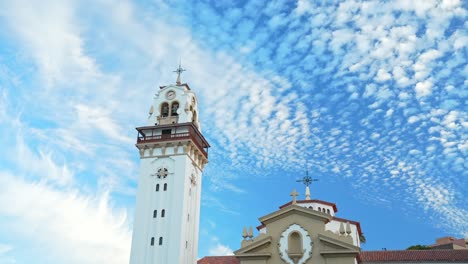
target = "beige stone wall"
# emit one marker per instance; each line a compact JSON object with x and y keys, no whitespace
{"x":327,"y":247}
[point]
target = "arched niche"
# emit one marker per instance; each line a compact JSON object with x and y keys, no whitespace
{"x":295,"y":244}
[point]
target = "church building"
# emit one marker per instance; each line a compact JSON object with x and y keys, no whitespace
{"x":299,"y":232}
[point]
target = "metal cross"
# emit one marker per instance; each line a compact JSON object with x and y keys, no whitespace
{"x":307,"y":180}
{"x":179,"y":71}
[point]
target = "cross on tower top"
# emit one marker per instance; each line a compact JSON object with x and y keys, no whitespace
{"x":179,"y":71}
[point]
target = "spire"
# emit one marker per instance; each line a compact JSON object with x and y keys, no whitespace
{"x":307,"y":180}
{"x":179,"y":71}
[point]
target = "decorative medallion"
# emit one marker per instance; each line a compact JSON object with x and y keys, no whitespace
{"x":295,"y":245}
{"x":162,"y":172}
{"x":170,"y":95}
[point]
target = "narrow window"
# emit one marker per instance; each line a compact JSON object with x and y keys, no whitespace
{"x":186,"y":244}
{"x":165,"y":186}
{"x":160,"y":241}
{"x":323,"y":210}
{"x":163,"y":213}
{"x":320,"y":209}
{"x":174,"y":108}
{"x":152,"y":241}
{"x":157,"y":187}
{"x":165,"y":110}
{"x":328,"y":211}
{"x":188,"y":217}
{"x":155,"y":213}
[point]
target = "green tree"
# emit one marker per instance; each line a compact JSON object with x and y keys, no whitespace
{"x":418,"y":247}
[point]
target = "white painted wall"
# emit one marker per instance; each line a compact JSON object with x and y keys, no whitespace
{"x":316,"y":206}
{"x":334,"y":226}
{"x":181,"y":201}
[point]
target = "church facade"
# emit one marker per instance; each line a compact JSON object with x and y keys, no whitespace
{"x":300,"y":232}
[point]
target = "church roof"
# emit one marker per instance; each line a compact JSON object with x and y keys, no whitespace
{"x":313,"y":201}
{"x":414,"y":256}
{"x":219,"y":260}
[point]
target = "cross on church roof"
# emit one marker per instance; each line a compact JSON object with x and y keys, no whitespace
{"x":294,"y":194}
{"x":179,"y":71}
{"x":307,"y":180}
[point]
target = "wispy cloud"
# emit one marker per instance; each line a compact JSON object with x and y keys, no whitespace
{"x":368,"y":91}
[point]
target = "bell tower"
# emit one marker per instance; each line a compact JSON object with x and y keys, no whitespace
{"x":173,"y":153}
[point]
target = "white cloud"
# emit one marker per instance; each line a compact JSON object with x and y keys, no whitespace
{"x":220,"y":250}
{"x":423,"y":88}
{"x":382,"y":76}
{"x":47,"y":29}
{"x":5,"y":257}
{"x":71,"y":227}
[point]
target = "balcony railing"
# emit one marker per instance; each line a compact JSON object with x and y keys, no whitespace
{"x":152,"y":134}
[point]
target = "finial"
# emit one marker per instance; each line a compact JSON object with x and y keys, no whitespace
{"x":250,"y":233}
{"x":307,"y":180}
{"x":342,"y":229}
{"x":244,"y":233}
{"x":348,"y":228}
{"x":179,"y":71}
{"x":294,"y":194}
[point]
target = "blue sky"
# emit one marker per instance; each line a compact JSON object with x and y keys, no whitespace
{"x":369,"y":96}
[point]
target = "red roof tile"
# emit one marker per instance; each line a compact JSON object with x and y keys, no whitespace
{"x":414,"y":256}
{"x":219,"y":260}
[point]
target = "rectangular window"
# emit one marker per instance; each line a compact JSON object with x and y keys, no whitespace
{"x":155,"y":213}
{"x":160,"y":241}
{"x":166,"y":131}
{"x":152,"y":241}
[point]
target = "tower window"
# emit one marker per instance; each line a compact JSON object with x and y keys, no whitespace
{"x":323,"y":210}
{"x":328,"y":211}
{"x":160,"y":241}
{"x":319,"y":209}
{"x":174,"y":107}
{"x":157,"y":187}
{"x":163,"y":213}
{"x":165,"y":110}
{"x":165,"y":186}
{"x":155,"y":213}
{"x":152,"y":241}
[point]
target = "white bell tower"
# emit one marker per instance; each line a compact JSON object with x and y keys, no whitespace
{"x":173,"y":153}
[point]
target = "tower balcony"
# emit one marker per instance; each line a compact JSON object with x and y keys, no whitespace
{"x":172,"y":133}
